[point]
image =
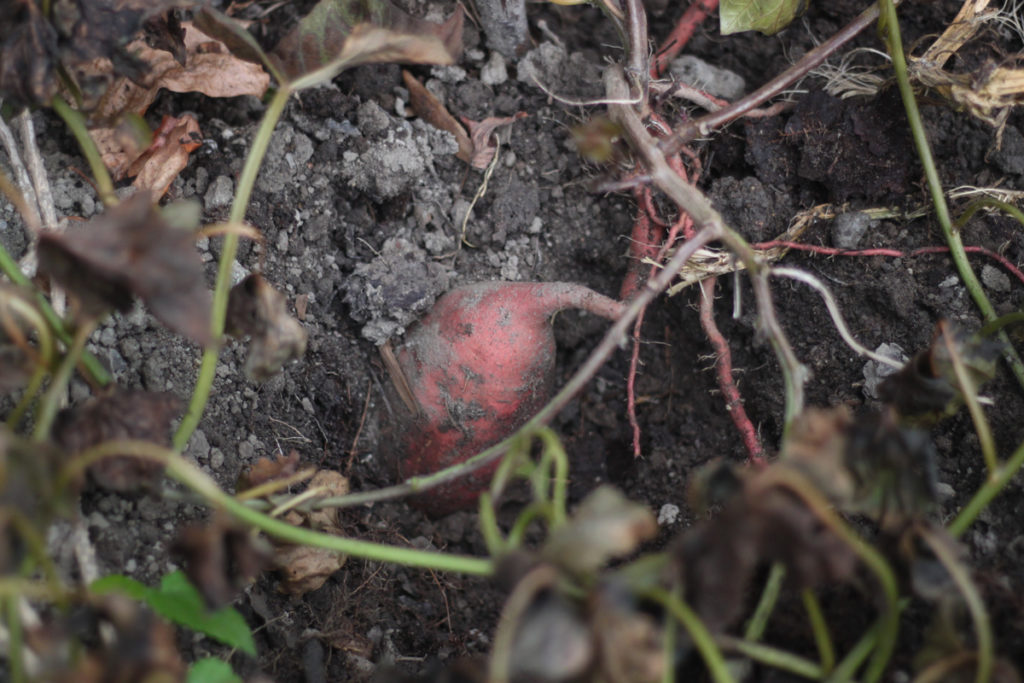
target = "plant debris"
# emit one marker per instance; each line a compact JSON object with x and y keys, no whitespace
{"x":258,"y":311}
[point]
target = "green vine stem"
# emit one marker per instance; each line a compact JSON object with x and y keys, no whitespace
{"x":702,"y":638}
{"x":970,"y":396}
{"x":76,"y":124}
{"x":988,"y":491}
{"x":15,"y":639}
{"x":766,"y":605}
{"x":888,"y":622}
{"x":181,"y":470}
{"x":975,"y":605}
{"x":24,"y":309}
{"x":987,"y":202}
{"x":52,"y":398}
{"x":889,"y":22}
{"x":208,"y":365}
{"x":819,"y":626}
{"x":10,"y":268}
{"x":773,"y":657}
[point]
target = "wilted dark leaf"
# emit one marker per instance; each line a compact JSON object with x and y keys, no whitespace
{"x":338,"y":34}
{"x":122,"y":415}
{"x":164,"y":32}
{"x":605,"y":526}
{"x":77,"y":33}
{"x":257,"y":310}
{"x":28,"y":54}
{"x":758,"y":525}
{"x":630,"y":642}
{"x":220,"y":560}
{"x":927,"y":389}
{"x":142,"y":647}
{"x":128,"y":250}
{"x":28,"y":471}
{"x":552,"y":641}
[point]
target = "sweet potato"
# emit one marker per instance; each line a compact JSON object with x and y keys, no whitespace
{"x":471,"y":372}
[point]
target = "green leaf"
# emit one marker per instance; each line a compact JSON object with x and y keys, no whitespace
{"x":212,"y":670}
{"x":179,"y":602}
{"x":766,"y":16}
{"x":339,"y":34}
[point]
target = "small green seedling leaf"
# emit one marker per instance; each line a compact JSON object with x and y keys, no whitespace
{"x":766,"y":16}
{"x":212,"y":670}
{"x":178,"y":601}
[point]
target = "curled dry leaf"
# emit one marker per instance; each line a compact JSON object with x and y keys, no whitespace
{"x":630,"y":642}
{"x":124,"y":414}
{"x":305,"y":568}
{"x":265,"y":469}
{"x":606,"y":525}
{"x":75,"y":34}
{"x":257,"y":310}
{"x":209,"y":68}
{"x":338,"y":34}
{"x":220,"y":559}
{"x":429,"y":108}
{"x":757,"y":524}
{"x":130,"y":249}
{"x":156,"y":168}
{"x":485,"y":142}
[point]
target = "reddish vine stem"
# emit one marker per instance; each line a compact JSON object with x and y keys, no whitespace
{"x":723,"y":368}
{"x":705,"y":124}
{"x":681,"y":34}
{"x":896,"y":253}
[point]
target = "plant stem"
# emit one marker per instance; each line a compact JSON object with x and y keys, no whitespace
{"x":766,"y":605}
{"x":890,"y":22}
{"x":51,"y":399}
{"x":208,"y":366}
{"x":699,"y":633}
{"x":988,"y":491}
{"x":191,"y":476}
{"x":970,"y":394}
{"x":819,"y":626}
{"x":773,"y":657}
{"x":975,"y":605}
{"x":76,"y":124}
{"x":10,"y":268}
{"x":15,"y":637}
{"x":705,"y":124}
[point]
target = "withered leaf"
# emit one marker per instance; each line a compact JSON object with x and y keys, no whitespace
{"x":927,"y":389}
{"x":257,"y":310}
{"x":167,"y":156}
{"x":338,"y":34}
{"x":306,"y":568}
{"x":220,"y":559}
{"x":208,"y":68}
{"x":429,"y":108}
{"x":265,"y":469}
{"x":605,"y":526}
{"x":757,"y":524}
{"x":130,"y":249}
{"x":28,"y":54}
{"x":485,"y":143}
{"x":165,"y":32}
{"x":124,"y":414}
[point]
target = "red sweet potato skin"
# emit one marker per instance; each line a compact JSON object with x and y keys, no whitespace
{"x":479,"y":365}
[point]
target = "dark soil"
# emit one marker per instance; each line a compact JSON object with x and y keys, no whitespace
{"x":355,"y":197}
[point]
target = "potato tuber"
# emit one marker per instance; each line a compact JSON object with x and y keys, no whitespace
{"x":470,"y":373}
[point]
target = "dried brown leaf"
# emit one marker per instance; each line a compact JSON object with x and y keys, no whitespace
{"x":130,"y":249}
{"x":605,"y":526}
{"x":257,"y":310}
{"x":429,"y":108}
{"x":485,"y":142}
{"x":338,"y":34}
{"x":265,"y":469}
{"x":167,"y":156}
{"x":121,"y":415}
{"x":208,"y":69}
